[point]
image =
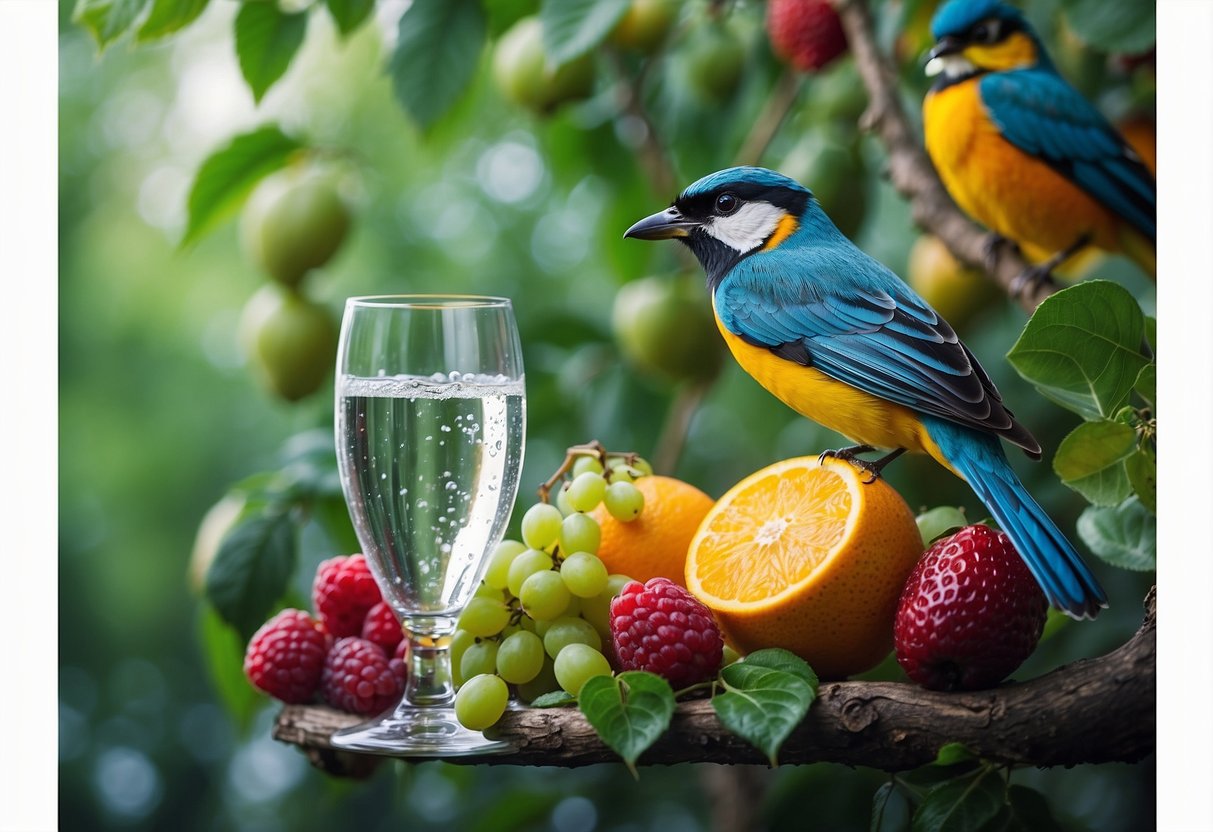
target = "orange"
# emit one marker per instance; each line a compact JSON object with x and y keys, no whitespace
{"x":808,"y":557}
{"x":655,"y":543}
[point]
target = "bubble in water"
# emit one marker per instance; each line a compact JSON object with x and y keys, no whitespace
{"x":451,"y":485}
{"x":423,"y":504}
{"x":445,"y":428}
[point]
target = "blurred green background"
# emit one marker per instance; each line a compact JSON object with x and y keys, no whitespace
{"x":159,"y":413}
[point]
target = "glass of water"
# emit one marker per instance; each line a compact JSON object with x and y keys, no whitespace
{"x":430,"y":425}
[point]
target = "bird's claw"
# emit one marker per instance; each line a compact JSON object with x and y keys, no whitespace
{"x":870,"y":467}
{"x":992,"y":249}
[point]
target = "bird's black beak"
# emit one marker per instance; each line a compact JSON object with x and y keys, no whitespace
{"x":947,"y":45}
{"x":662,"y":226}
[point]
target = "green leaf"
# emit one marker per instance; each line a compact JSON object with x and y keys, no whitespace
{"x":1082,"y":348}
{"x":107,"y":20}
{"x":349,"y":14}
{"x":1142,"y":469}
{"x":1030,"y":812}
{"x":572,"y":28}
{"x":1126,"y":26}
{"x":1146,"y":385}
{"x":223,"y":656}
{"x":965,"y":804}
{"x":502,"y":14}
{"x":1091,"y":461}
{"x":436,"y":54}
{"x":267,"y":38}
{"x":252,"y":569}
{"x":1123,"y":535}
{"x":776,"y":658}
{"x":629,"y":711}
{"x":880,"y":801}
{"x":227,"y":176}
{"x":553,"y":700}
{"x":168,"y":16}
{"x":763,"y":705}
{"x":952,"y":753}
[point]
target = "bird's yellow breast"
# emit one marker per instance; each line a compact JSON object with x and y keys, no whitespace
{"x":1010,"y":192}
{"x":859,"y":416}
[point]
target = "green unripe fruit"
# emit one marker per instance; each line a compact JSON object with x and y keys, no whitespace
{"x":526,"y":77}
{"x":645,"y":25}
{"x":714,"y":61}
{"x":295,"y":223}
{"x":291,"y":342}
{"x":665,"y":327}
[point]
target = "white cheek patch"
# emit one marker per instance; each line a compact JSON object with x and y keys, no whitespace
{"x":953,"y":66}
{"x":749,"y":228}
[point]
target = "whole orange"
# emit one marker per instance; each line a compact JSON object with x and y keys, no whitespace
{"x":655,"y":543}
{"x":808,"y":557}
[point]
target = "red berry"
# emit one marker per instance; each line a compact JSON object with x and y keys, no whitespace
{"x":358,"y":677}
{"x":285,"y":656}
{"x":970,"y":613}
{"x":400,"y":661}
{"x":343,"y":593}
{"x":805,"y":33}
{"x":660,"y":627}
{"x":382,"y":627}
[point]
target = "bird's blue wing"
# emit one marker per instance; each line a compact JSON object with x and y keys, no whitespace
{"x":876,"y":336}
{"x":1041,"y":114}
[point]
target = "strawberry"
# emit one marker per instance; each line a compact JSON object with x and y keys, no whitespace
{"x":805,"y":33}
{"x":970,"y":612}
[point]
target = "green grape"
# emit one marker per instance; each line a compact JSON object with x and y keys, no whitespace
{"x":541,"y":627}
{"x":729,"y":656}
{"x":497,"y":573}
{"x":483,"y":590}
{"x":642,"y":466}
{"x":541,"y":525}
{"x":544,"y":682}
{"x":520,"y":657}
{"x":544,"y":596}
{"x":616,"y":583}
{"x":526,"y":565}
{"x":478,"y":658}
{"x":567,"y":630}
{"x":481,"y":701}
{"x":484,"y":617}
{"x":562,"y":501}
{"x":586,"y":490}
{"x":460,"y":642}
{"x":574,"y":607}
{"x":587,"y":465}
{"x":576,"y":664}
{"x":620,"y":473}
{"x":597,"y":611}
{"x":624,"y":501}
{"x":580,"y":533}
{"x":584,"y":574}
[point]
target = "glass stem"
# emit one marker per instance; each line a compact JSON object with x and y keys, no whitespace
{"x":429,"y":682}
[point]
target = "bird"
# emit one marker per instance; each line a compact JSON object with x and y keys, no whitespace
{"x":1022,"y":152}
{"x":841,"y":339}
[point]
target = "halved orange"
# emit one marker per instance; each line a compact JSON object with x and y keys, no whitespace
{"x":808,"y":557}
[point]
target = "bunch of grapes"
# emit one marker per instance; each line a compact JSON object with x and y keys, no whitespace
{"x":540,"y":620}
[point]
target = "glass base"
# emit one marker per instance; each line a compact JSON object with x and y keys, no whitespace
{"x":413,"y":731}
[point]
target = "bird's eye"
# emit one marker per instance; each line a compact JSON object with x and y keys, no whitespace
{"x":985,"y":32}
{"x":726,"y":204}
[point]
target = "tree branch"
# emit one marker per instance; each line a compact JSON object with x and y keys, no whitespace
{"x":1090,"y":711}
{"x":913,"y":175}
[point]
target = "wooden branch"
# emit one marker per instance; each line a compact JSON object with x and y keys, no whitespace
{"x":912,"y":174}
{"x":1090,"y":711}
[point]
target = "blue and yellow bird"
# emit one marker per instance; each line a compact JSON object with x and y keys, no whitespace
{"x":1023,"y":152}
{"x":841,"y":339}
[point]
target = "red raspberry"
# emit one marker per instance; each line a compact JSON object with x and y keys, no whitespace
{"x":970,"y":613}
{"x":805,"y":33}
{"x":286,"y":655}
{"x":358,"y":677}
{"x":400,"y":661}
{"x":662,"y":628}
{"x":382,"y":627}
{"x":343,"y":592}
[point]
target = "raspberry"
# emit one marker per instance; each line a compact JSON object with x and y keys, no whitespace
{"x":660,"y":627}
{"x":970,"y":612}
{"x":358,"y":677}
{"x":400,"y":662}
{"x":805,"y":33}
{"x":382,"y":627}
{"x":343,"y":592}
{"x":286,"y":655}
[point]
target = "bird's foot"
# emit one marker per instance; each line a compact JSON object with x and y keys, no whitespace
{"x":870,"y":467}
{"x":1033,"y":276}
{"x":992,"y":249}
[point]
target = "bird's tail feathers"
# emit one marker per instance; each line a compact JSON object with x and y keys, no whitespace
{"x":1066,"y":580}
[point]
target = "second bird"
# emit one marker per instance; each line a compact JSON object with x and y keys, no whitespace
{"x":1023,"y":152}
{"x":842,"y":340}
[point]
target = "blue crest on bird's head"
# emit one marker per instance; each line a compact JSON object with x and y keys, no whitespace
{"x":748,"y":176}
{"x":956,"y":17}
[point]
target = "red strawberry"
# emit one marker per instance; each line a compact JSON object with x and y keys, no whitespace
{"x":970,"y":613}
{"x":805,"y":33}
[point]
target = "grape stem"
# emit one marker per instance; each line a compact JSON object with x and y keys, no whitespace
{"x":592,"y":448}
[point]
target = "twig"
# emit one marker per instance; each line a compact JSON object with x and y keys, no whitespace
{"x":677,"y":423}
{"x":766,"y":126}
{"x":914,"y":177}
